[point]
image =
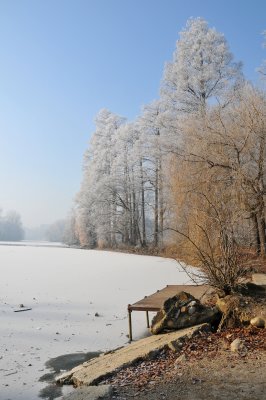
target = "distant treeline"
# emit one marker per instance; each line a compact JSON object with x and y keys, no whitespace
{"x":48,"y":232}
{"x":11,"y":228}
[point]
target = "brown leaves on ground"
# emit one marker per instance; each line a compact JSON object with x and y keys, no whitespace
{"x":145,"y":374}
{"x":210,"y":345}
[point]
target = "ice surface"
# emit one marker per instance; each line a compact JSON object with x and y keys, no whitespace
{"x":65,"y":288}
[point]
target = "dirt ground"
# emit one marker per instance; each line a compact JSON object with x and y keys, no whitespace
{"x":224,"y":378}
{"x":205,"y":369}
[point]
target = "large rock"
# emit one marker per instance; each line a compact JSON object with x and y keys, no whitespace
{"x":238,"y":310}
{"x":258,"y":322}
{"x":182,"y":311}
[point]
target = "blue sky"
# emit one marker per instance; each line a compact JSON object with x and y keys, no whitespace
{"x":63,"y":60}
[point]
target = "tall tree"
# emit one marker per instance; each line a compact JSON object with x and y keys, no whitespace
{"x":202,"y":68}
{"x":226,"y":154}
{"x":154,"y":139}
{"x":262,"y":69}
{"x":95,"y":219}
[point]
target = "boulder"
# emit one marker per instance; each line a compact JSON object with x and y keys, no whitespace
{"x":180,"y":360}
{"x":239,"y":310}
{"x":182,"y":311}
{"x":258,"y":322}
{"x":231,"y":307}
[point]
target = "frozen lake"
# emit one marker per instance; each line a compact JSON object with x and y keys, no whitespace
{"x":65,"y":288}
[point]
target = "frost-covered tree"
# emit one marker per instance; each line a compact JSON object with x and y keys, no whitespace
{"x":55,"y":232}
{"x":11,"y":228}
{"x":126,"y":184}
{"x":202,"y":68}
{"x":262,"y":69}
{"x":154,"y":142}
{"x":240,"y":137}
{"x":95,"y":216}
{"x":70,"y":235}
{"x":204,"y":138}
{"x":202,"y":74}
{"x":115,"y":202}
{"x":223,"y":163}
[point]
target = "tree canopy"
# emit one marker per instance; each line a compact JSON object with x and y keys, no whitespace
{"x":189,"y":172}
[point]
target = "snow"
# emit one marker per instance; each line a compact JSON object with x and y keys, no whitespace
{"x":33,"y":243}
{"x":65,"y":288}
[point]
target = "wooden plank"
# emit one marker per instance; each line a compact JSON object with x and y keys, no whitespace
{"x":130,"y":325}
{"x":155,"y":301}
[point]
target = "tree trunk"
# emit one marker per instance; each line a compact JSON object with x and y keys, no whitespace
{"x":113,"y":220}
{"x":156,"y":208}
{"x":161,"y":206}
{"x":130,"y":217}
{"x":127,"y":208}
{"x":261,"y":231}
{"x":261,"y":212}
{"x":134,"y":228}
{"x":256,"y":235}
{"x":144,"y":242}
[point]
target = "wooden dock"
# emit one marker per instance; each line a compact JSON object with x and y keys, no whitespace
{"x":155,"y":301}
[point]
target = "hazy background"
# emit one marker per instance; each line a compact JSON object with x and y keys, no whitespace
{"x":62,"y":61}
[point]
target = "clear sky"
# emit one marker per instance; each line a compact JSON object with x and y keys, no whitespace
{"x":63,"y":60}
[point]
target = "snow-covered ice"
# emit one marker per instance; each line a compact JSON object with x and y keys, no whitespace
{"x":65,"y":288}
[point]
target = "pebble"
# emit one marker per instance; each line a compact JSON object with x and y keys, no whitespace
{"x":237,"y":345}
{"x":181,"y":359}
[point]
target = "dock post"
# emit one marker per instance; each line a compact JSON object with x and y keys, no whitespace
{"x":129,"y":323}
{"x":147,"y":316}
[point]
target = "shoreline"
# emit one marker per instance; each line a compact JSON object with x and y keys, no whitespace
{"x":55,"y":366}
{"x":203,"y":368}
{"x":208,"y":379}
{"x":198,"y":354}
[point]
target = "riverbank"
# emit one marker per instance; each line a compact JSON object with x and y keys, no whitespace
{"x":194,"y":363}
{"x":205,"y":369}
{"x":94,"y":371}
{"x":189,"y":364}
